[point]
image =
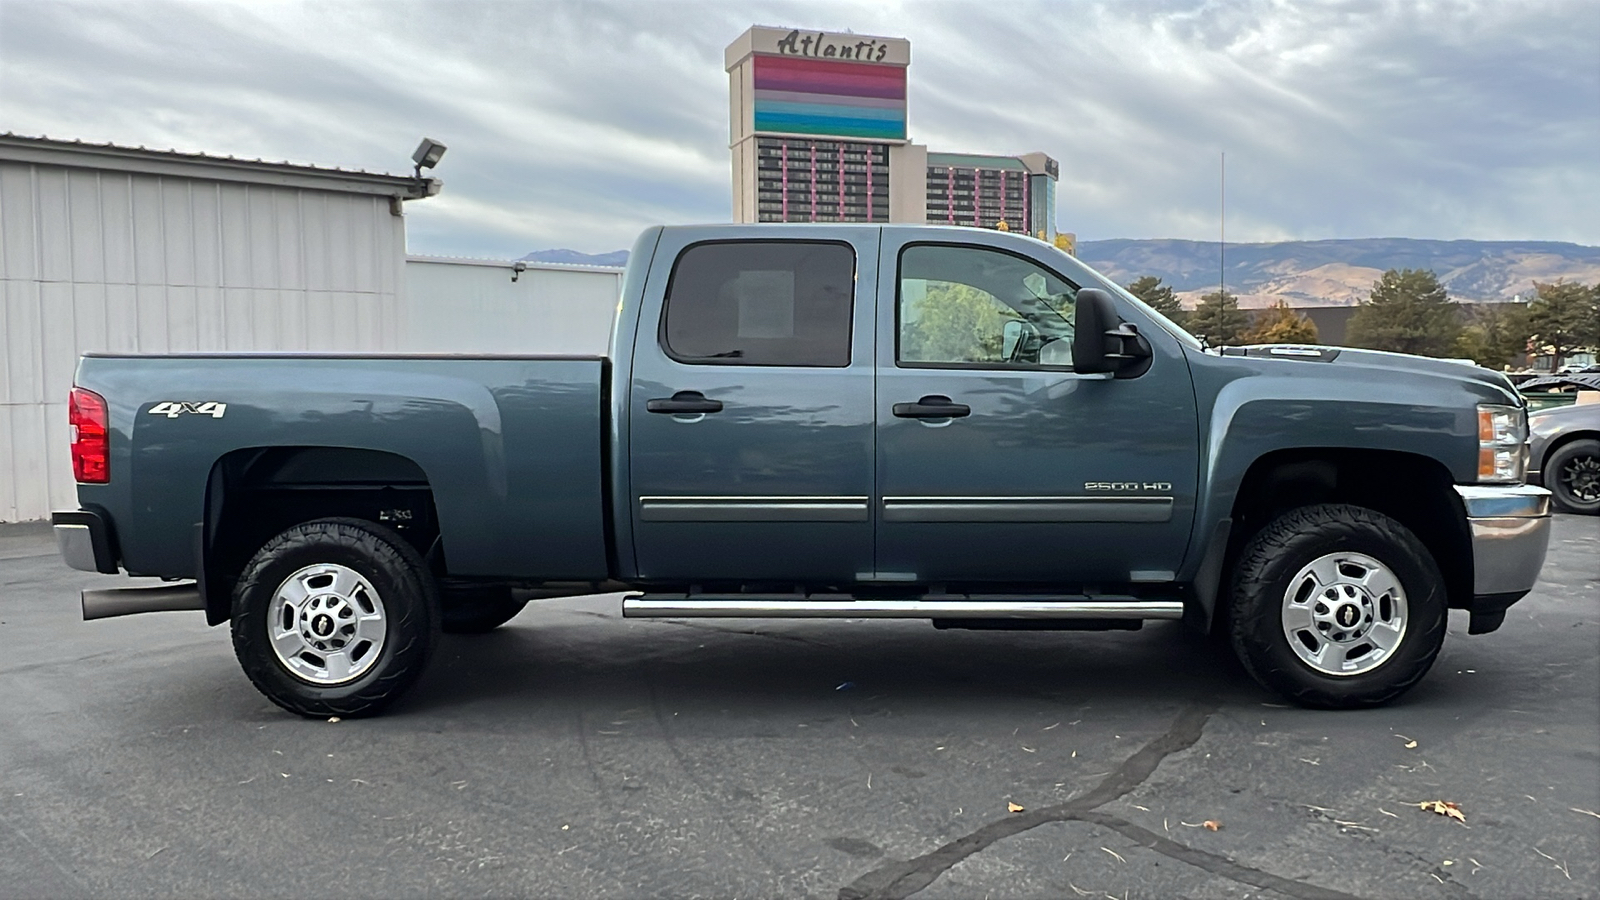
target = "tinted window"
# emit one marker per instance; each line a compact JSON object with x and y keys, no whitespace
{"x":975,"y":307}
{"x":761,"y":303}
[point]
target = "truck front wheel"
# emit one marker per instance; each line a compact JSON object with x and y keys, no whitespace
{"x":1337,"y":606}
{"x":335,"y":617}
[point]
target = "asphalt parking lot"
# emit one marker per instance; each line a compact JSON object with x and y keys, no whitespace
{"x":577,"y":754}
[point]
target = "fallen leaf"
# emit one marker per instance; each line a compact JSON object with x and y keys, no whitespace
{"x":1013,"y":807}
{"x":1211,"y":825}
{"x":1444,"y":808}
{"x":333,"y":719}
{"x":1114,"y":853}
{"x":1411,"y":745}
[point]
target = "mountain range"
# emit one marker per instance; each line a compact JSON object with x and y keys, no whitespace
{"x":1307,"y":273}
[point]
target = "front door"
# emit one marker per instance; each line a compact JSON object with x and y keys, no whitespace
{"x":998,"y":462}
{"x":750,"y":414}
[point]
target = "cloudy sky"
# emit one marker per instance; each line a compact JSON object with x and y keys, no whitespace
{"x":576,"y":124}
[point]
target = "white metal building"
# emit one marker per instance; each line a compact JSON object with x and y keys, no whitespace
{"x":106,"y":248}
{"x":483,"y":306}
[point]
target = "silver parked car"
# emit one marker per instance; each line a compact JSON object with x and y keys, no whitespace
{"x":1565,"y":456}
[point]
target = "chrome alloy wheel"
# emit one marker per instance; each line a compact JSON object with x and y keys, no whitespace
{"x":326,"y":624}
{"x":1344,"y":614}
{"x":1581,"y":477}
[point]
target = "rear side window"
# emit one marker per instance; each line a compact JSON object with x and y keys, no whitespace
{"x":761,"y":303}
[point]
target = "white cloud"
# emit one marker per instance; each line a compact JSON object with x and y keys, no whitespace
{"x":576,"y":124}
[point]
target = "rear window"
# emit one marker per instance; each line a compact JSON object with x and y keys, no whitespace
{"x":761,"y":303}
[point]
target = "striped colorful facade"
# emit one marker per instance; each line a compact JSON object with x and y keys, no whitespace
{"x":829,"y":97}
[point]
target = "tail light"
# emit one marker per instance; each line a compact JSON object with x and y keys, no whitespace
{"x":91,"y":443}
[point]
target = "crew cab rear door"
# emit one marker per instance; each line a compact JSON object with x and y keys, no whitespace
{"x":750,"y":409}
{"x":996,"y":461}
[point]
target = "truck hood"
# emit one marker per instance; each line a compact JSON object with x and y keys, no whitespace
{"x":1346,"y":358}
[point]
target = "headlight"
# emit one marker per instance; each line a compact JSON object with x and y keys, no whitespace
{"x":1502,"y":443}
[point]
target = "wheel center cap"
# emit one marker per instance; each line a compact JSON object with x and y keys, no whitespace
{"x":322,"y":625}
{"x":1348,"y":615}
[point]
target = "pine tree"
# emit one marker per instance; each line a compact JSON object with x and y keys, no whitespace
{"x":1218,"y":319}
{"x":1158,"y":297}
{"x":1564,"y":317}
{"x":1408,"y":311}
{"x":1495,"y":334}
{"x":1278,"y":324}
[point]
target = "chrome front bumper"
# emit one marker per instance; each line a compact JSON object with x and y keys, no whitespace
{"x":1510,"y":527}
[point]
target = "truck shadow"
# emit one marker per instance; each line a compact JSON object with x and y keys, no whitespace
{"x":581,"y":659}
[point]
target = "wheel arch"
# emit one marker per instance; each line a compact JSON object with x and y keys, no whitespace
{"x":1562,"y":441}
{"x":255,"y":493}
{"x":1415,"y":490}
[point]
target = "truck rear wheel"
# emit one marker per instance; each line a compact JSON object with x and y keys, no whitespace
{"x":1337,"y":606}
{"x":477,"y":608}
{"x":335,"y":617}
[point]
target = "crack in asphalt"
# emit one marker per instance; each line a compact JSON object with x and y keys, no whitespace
{"x":897,"y":880}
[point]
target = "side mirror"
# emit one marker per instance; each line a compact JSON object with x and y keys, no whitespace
{"x":1011,"y":335}
{"x":1103,"y":342}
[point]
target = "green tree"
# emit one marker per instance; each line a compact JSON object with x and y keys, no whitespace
{"x":1218,"y":319}
{"x":1495,"y":334}
{"x":1159,"y":297}
{"x":953,"y":322}
{"x":1409,"y":311}
{"x":1278,"y":324}
{"x":1564,"y":317}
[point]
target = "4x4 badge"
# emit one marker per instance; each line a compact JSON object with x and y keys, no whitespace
{"x":175,"y":408}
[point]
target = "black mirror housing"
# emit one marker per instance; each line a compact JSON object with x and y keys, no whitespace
{"x":1102,"y":342}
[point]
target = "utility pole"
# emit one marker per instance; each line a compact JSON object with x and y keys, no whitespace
{"x":1222,"y":233}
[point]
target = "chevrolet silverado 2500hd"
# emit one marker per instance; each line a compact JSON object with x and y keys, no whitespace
{"x":851,"y":421}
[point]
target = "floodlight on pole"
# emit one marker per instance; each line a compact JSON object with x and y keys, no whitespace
{"x":427,"y":154}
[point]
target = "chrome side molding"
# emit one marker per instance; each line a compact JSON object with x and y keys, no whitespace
{"x":753,"y":509}
{"x":1028,"y":509}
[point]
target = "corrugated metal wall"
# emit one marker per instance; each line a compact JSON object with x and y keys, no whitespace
{"x":111,"y":261}
{"x":472,"y":306}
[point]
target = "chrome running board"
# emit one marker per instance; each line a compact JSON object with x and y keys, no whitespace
{"x":835,"y":606}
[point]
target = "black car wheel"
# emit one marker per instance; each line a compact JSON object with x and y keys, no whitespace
{"x":1572,"y":474}
{"x":335,"y":617}
{"x":1337,"y":606}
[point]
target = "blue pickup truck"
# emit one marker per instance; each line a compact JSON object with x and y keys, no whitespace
{"x":963,"y":426}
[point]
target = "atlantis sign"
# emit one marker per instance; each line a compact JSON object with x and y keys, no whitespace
{"x":794,"y":42}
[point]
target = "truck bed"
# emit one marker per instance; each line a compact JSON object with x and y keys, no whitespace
{"x":511,"y":447}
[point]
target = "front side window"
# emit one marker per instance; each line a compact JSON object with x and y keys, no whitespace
{"x":761,"y":303}
{"x":970,"y":306}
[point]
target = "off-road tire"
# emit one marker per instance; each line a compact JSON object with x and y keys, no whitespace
{"x":1585,"y":450}
{"x":396,"y":573}
{"x":1261,"y":581}
{"x":467,"y":608}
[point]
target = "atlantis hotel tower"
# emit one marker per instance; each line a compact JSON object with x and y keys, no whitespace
{"x":818,"y":123}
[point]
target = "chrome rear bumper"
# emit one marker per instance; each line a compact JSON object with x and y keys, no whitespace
{"x":84,"y":540}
